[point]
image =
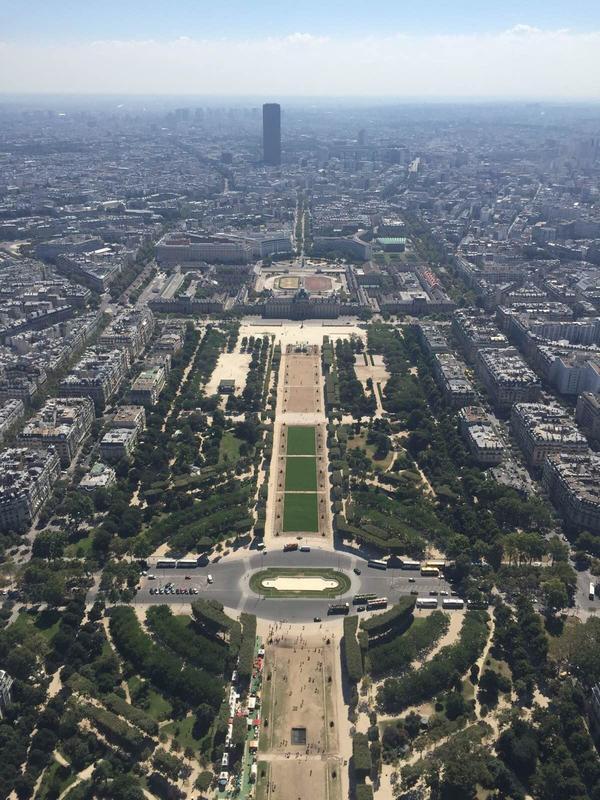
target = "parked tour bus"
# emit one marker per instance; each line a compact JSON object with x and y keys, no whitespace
{"x":408,"y":564}
{"x":376,"y":563}
{"x":430,"y":572}
{"x":360,"y":599}
{"x":377,"y":602}
{"x":427,"y":602}
{"x":339,"y":608}
{"x":453,"y":602}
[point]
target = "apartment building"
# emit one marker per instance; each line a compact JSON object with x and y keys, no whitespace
{"x":11,"y":413}
{"x":26,"y":481}
{"x":63,"y":423}
{"x":147,"y":387}
{"x":587,"y":413}
{"x":118,"y":443}
{"x":481,"y":437}
{"x":507,"y":378}
{"x":541,"y":429}
{"x":572,"y":481}
{"x":98,"y":374}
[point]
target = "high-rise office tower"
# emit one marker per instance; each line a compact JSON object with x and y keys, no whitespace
{"x":272,"y":134}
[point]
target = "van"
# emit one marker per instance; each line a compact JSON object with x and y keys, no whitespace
{"x":210,"y":578}
{"x":260,"y":546}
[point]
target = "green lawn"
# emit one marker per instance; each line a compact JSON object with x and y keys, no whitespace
{"x":229,"y":448}
{"x":300,"y":474}
{"x":45,"y":622}
{"x":182,"y":730}
{"x":81,"y":548}
{"x":300,"y":513}
{"x":158,"y":707}
{"x":301,"y":440}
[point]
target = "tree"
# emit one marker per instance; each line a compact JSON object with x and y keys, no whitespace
{"x":49,"y":544}
{"x":555,"y":595}
{"x":557,"y":550}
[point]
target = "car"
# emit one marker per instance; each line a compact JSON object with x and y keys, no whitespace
{"x":305,"y":549}
{"x":316,"y":619}
{"x":412,"y":580}
{"x":188,"y":578}
{"x":151,"y":577}
{"x":161,"y":590}
{"x":152,"y":590}
{"x":356,"y":571}
{"x":178,"y":591}
{"x":433,"y":593}
{"x":361,"y":608}
{"x":209,"y":578}
{"x":413,"y":591}
{"x":444,"y":593}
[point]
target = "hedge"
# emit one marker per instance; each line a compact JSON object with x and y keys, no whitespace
{"x":397,"y":618}
{"x":395,"y":656}
{"x":176,"y":633}
{"x":246,"y":660}
{"x":437,"y":675}
{"x":361,"y":756}
{"x":364,"y":791}
{"x":116,"y":729}
{"x":165,"y":670}
{"x":351,"y":649}
{"x":134,"y":715}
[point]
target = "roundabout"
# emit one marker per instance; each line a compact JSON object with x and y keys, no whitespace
{"x":289,"y":582}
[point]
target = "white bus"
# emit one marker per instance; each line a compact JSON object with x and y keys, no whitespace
{"x":377,"y":602}
{"x":427,"y":602}
{"x":453,"y":602}
{"x":377,"y":563}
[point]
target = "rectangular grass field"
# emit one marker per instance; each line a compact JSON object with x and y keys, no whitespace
{"x":301,"y":474}
{"x":301,"y":440}
{"x":300,"y":513}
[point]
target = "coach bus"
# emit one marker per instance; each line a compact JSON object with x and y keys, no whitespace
{"x":166,"y":563}
{"x":430,"y":572}
{"x":187,"y":563}
{"x":427,"y":602}
{"x":441,"y":565}
{"x":358,"y":599}
{"x":377,"y":602}
{"x":377,"y":563}
{"x":408,"y":564}
{"x":453,"y":602}
{"x":592,"y":591}
{"x":339,"y":608}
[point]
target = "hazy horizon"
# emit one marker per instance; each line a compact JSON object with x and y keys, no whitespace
{"x":531,"y":51}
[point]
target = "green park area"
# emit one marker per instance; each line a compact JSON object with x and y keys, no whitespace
{"x":300,"y":513}
{"x":300,"y":474}
{"x":301,"y":440}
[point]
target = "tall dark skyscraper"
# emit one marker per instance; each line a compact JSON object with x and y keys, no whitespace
{"x":272,"y":134}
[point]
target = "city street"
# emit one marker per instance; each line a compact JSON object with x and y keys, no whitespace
{"x":231,"y":583}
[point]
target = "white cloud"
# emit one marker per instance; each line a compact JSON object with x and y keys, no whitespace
{"x":521,"y":62}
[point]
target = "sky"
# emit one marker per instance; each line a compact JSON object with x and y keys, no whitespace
{"x":528,"y":49}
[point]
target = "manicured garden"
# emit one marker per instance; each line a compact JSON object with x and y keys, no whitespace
{"x":300,"y":474}
{"x":258,"y":580}
{"x":301,"y":440}
{"x":300,"y":513}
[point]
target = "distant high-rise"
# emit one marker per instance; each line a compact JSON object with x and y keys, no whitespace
{"x":272,"y":134}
